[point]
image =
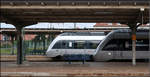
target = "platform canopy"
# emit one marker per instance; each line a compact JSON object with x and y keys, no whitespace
{"x":27,"y":12}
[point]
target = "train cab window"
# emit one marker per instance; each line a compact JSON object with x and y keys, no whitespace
{"x":115,"y":45}
{"x":79,"y":44}
{"x":111,"y":45}
{"x":57,"y":45}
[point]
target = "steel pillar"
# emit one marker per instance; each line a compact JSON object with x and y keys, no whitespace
{"x":19,"y":46}
{"x":133,"y":28}
{"x":134,"y":46}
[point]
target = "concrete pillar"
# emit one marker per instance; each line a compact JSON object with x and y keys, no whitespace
{"x":19,"y":46}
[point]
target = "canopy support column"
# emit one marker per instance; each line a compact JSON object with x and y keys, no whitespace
{"x":134,"y":46}
{"x":19,"y":46}
{"x":133,"y":28}
{"x":12,"y":42}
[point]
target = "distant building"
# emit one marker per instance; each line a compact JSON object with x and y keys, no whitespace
{"x":1,"y":37}
{"x":109,"y":25}
{"x":4,"y":37}
{"x":29,"y":36}
{"x":115,"y":25}
{"x":26,"y":37}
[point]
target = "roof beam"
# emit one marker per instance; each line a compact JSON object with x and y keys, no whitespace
{"x":16,"y":22}
{"x":72,"y":7}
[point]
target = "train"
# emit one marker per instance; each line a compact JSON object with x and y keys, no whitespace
{"x":75,"y":43}
{"x":118,"y":45}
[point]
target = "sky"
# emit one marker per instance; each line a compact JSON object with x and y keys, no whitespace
{"x":53,"y":25}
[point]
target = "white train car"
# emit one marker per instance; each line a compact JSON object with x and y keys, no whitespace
{"x":75,"y":43}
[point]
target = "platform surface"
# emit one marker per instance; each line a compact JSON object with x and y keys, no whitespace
{"x":7,"y":58}
{"x":142,"y":69}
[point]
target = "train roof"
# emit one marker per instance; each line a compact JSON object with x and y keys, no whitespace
{"x":83,"y":34}
{"x":129,"y":30}
{"x":126,"y":34}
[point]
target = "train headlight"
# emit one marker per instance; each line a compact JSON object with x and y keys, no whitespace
{"x":109,"y":53}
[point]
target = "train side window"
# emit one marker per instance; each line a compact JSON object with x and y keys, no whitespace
{"x":93,"y":44}
{"x":128,"y":45}
{"x":63,"y":44}
{"x":79,"y":44}
{"x":142,"y":45}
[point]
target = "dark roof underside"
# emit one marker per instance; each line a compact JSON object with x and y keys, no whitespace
{"x":26,"y":12}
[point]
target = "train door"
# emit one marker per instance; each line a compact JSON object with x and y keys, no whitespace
{"x":117,"y":49}
{"x":127,"y":49}
{"x":63,"y":47}
{"x":89,"y":47}
{"x":127,"y":53}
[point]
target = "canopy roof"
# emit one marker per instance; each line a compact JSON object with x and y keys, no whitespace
{"x":27,"y":12}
